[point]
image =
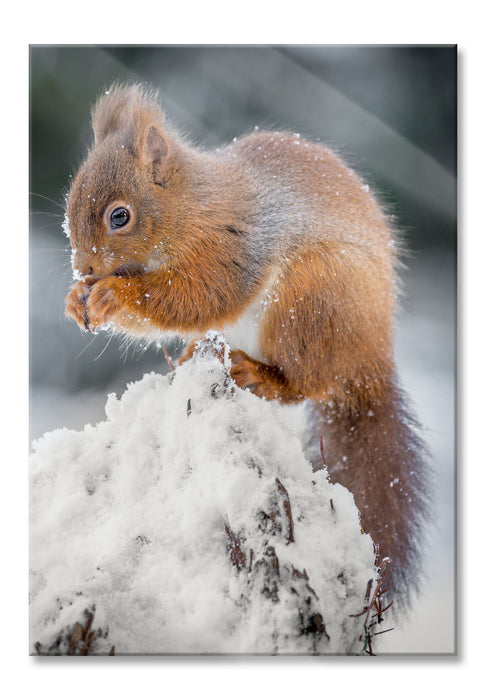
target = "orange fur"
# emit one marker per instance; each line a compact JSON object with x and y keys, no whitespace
{"x":272,"y":230}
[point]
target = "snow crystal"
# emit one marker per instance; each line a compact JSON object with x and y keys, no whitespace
{"x":190,"y":521}
{"x":65,"y":226}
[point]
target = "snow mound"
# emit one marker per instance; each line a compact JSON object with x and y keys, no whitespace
{"x":190,"y":521}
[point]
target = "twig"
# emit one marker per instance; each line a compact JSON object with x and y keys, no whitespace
{"x":167,"y":357}
{"x":376,"y":602}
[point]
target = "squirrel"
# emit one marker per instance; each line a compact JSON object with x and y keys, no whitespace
{"x":276,"y":242}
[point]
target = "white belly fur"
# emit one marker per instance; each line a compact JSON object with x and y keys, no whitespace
{"x":245,"y":333}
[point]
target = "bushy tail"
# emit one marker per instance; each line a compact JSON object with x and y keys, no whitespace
{"x":379,"y":456}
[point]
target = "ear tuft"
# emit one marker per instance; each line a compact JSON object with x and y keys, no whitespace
{"x":155,"y":151}
{"x":125,"y":111}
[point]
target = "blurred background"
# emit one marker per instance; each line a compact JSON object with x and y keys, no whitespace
{"x":390,"y":111}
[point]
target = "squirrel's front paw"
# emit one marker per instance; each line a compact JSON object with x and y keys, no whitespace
{"x":104,"y":301}
{"x":76,"y":303}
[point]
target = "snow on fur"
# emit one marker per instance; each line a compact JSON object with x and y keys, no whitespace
{"x":190,"y":521}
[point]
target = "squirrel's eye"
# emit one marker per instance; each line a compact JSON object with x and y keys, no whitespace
{"x":119,"y":217}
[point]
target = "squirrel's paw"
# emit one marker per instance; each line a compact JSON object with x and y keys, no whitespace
{"x":75,"y":303}
{"x":247,"y":373}
{"x":265,"y":381}
{"x":104,"y":301}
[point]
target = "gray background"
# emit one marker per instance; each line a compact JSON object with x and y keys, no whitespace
{"x":390,"y":111}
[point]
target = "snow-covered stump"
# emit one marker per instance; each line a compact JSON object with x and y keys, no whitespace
{"x":190,"y":521}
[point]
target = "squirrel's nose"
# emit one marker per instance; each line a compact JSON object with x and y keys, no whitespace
{"x":82,"y":264}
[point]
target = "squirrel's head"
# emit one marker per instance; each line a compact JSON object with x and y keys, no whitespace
{"x":117,"y":195}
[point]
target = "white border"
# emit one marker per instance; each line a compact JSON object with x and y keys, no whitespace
{"x":249,"y":22}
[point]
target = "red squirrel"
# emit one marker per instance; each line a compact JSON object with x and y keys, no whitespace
{"x":274,"y":241}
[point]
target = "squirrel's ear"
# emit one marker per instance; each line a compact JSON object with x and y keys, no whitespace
{"x":109,"y":115}
{"x":155,"y":152}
